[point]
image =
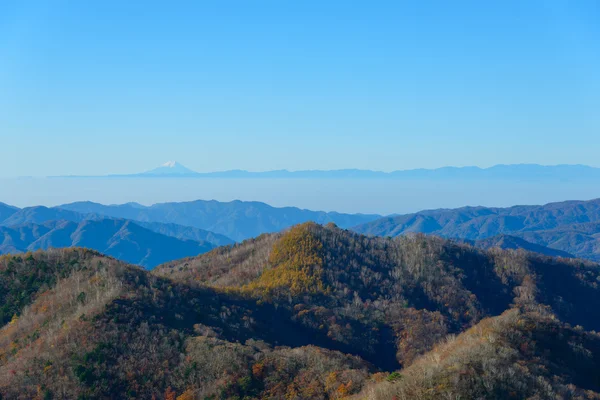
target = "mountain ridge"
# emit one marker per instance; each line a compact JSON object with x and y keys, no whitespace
{"x":546,"y":225}
{"x":500,"y":171}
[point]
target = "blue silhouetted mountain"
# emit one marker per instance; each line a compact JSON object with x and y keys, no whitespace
{"x":187,"y":233}
{"x":121,"y":239}
{"x":6,"y":211}
{"x":238,"y":220}
{"x":41,"y":215}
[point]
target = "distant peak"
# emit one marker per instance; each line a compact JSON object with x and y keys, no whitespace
{"x":170,"y":168}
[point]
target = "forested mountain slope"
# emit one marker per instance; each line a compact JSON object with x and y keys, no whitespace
{"x":458,"y":281}
{"x":571,"y":226}
{"x":91,"y":327}
{"x":314,"y":312}
{"x":518,"y":355}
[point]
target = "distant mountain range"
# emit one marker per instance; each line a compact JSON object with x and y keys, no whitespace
{"x":519,"y":172}
{"x":237,"y":220}
{"x":41,"y":215}
{"x":152,"y":235}
{"x":144,"y":243}
{"x":121,"y":239}
{"x":568,"y":229}
{"x":572,"y":226}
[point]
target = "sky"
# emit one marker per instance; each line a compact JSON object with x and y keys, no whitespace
{"x":102,"y":87}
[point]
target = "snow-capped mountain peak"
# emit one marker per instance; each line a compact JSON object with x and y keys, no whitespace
{"x":171,"y":168}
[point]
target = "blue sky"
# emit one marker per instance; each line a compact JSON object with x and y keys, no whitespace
{"x":98,"y":87}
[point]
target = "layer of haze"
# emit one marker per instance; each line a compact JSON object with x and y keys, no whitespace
{"x":381,"y":196}
{"x":108,"y":87}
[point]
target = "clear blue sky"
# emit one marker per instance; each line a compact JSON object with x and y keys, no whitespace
{"x":95,"y":87}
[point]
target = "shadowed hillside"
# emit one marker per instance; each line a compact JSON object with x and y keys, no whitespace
{"x":515,"y":355}
{"x":515,"y":243}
